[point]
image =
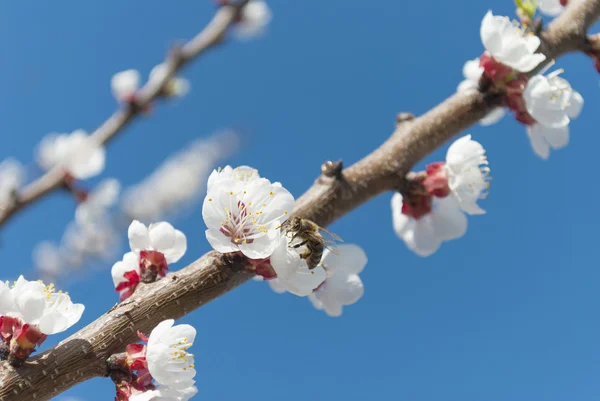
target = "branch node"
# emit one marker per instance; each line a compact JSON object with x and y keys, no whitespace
{"x":403,"y":117}
{"x":332,"y":169}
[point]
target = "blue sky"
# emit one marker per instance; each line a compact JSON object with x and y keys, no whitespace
{"x":508,"y":313}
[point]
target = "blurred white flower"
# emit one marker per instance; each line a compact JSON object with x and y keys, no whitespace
{"x":48,"y":259}
{"x":77,"y":153}
{"x":125,"y":84}
{"x":12,"y":175}
{"x":508,"y":44}
{"x":83,"y":240}
{"x":552,"y":7}
{"x":98,"y":201}
{"x":472,"y":72}
{"x":255,"y":18}
{"x":343,"y":286}
{"x":175,"y":87}
{"x":178,"y":181}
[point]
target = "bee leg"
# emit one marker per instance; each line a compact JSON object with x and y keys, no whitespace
{"x":300,"y":244}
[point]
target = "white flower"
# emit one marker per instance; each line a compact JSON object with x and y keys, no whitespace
{"x":472,"y":72}
{"x":160,"y":237}
{"x":125,"y":84}
{"x":425,"y":235}
{"x":551,"y":7}
{"x":552,"y":103}
{"x":551,"y":100}
{"x":467,"y":170}
{"x":12,"y":175}
{"x":77,"y":153}
{"x":343,"y":286}
{"x":98,"y":239}
{"x":36,"y":304}
{"x":245,"y":215}
{"x":292,"y":271}
{"x":175,"y":87}
{"x":129,"y":264}
{"x":94,"y":207}
{"x":48,"y":259}
{"x":255,"y":17}
{"x":508,"y":45}
{"x":178,"y":181}
{"x":169,"y":363}
{"x":543,"y":138}
{"x":242,"y":174}
{"x":164,"y":393}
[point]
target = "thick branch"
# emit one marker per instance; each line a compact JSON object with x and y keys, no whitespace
{"x":83,"y":355}
{"x":210,"y":36}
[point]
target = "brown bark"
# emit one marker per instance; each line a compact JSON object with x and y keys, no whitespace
{"x":83,"y":355}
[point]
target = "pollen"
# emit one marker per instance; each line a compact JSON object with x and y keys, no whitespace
{"x":271,"y":193}
{"x":230,"y":193}
{"x":210,"y":199}
{"x":285,"y":212}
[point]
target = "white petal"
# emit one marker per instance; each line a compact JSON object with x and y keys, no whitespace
{"x":422,"y":239}
{"x":493,"y":116}
{"x":276,"y":286}
{"x":351,"y":258}
{"x":159,"y":330}
{"x":255,"y":17}
{"x":467,"y":86}
{"x":139,"y":239}
{"x":305,"y":281}
{"x":575,"y":105}
{"x":472,"y":70}
{"x":219,"y":242}
{"x":448,"y":220}
{"x":538,"y":142}
{"x":124,"y":84}
{"x":178,"y":249}
{"x":162,"y":236}
{"x":550,"y":7}
{"x":32,"y":304}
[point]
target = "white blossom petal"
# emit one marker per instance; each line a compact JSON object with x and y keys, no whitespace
{"x":125,"y":84}
{"x":255,"y":18}
{"x":508,"y":44}
{"x":467,"y":170}
{"x":550,"y":7}
{"x":169,"y":363}
{"x":139,"y":238}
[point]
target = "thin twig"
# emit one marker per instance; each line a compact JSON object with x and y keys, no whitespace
{"x":210,"y":36}
{"x":83,"y":355}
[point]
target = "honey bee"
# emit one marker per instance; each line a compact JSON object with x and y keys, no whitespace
{"x":310,"y":235}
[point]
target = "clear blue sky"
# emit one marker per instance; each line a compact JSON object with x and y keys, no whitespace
{"x":508,"y":313}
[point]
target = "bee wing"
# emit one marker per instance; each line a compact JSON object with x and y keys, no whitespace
{"x":331,"y":246}
{"x":334,"y":236}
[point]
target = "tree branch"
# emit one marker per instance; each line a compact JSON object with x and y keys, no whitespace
{"x":83,"y":355}
{"x":210,"y":36}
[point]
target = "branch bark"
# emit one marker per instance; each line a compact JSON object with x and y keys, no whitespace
{"x":211,"y":35}
{"x":83,"y":355}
